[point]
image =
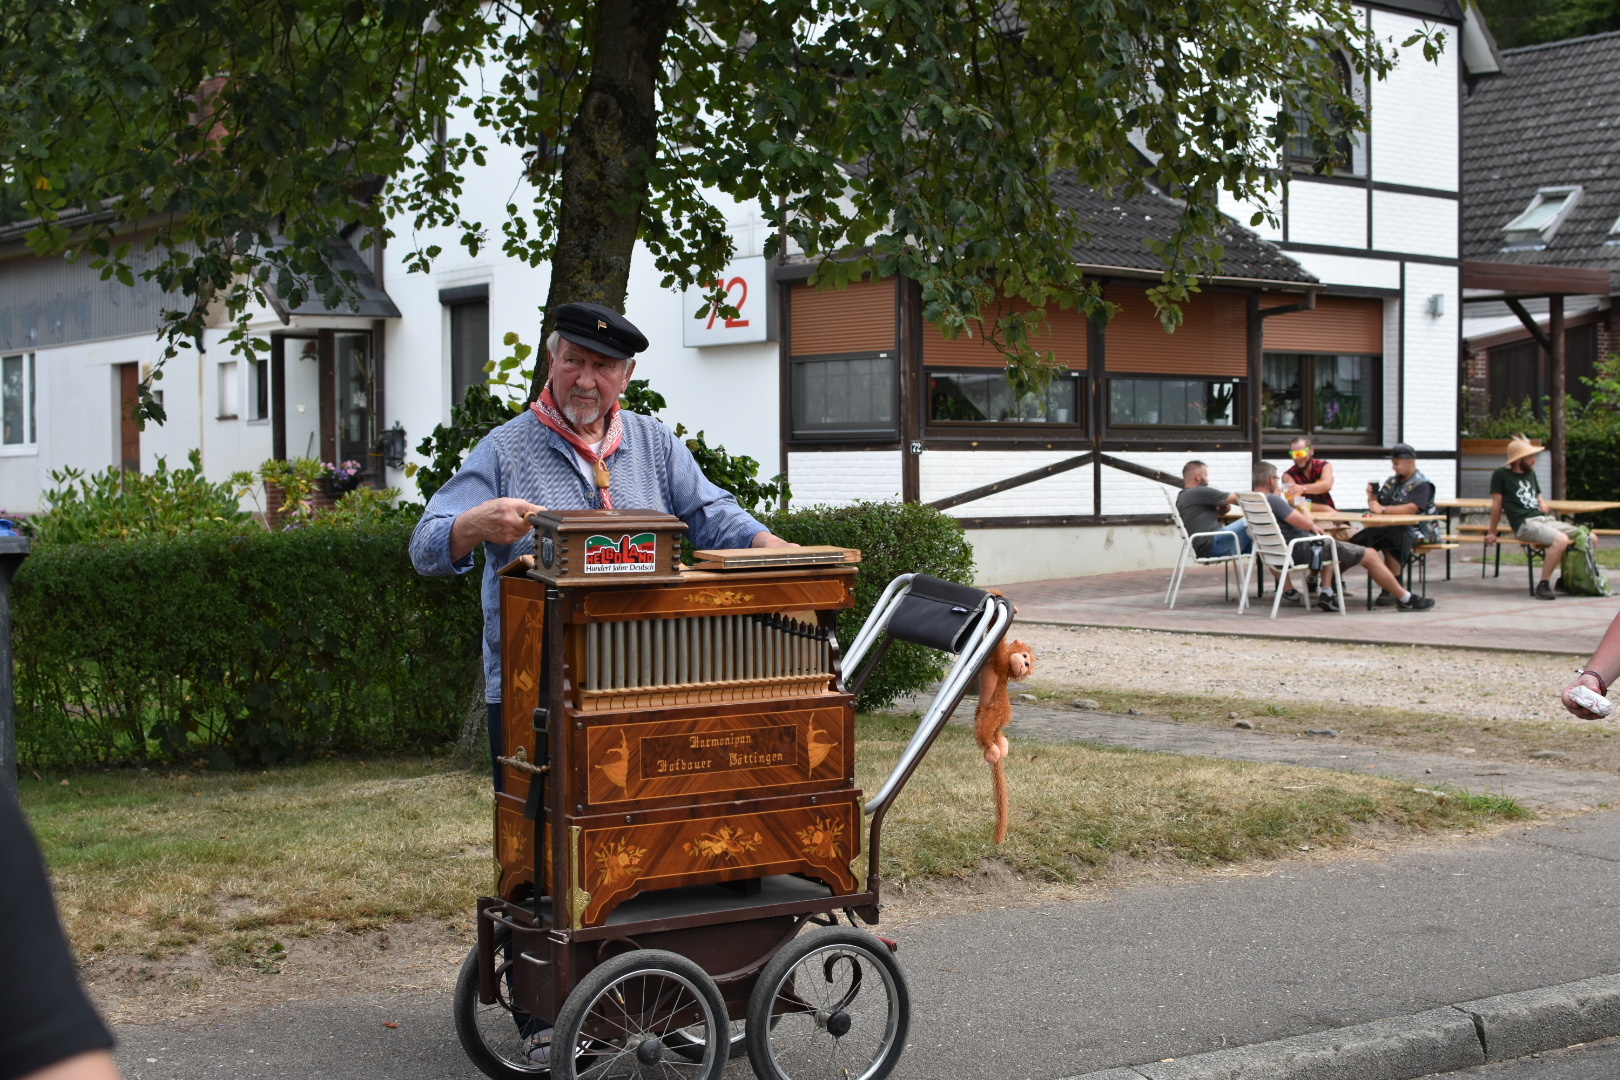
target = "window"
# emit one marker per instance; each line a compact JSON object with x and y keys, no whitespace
{"x":1614,"y":233}
{"x":17,"y":421}
{"x":258,"y":389}
{"x":356,"y":387}
{"x":983,"y":396}
{"x":1534,"y":228}
{"x":845,"y":397}
{"x":1320,"y":394}
{"x":469,"y":346}
{"x":1347,"y":154}
{"x":230,"y":390}
{"x":1173,"y":402}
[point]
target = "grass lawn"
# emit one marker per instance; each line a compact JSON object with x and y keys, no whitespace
{"x":233,"y":862}
{"x":1586,"y":744}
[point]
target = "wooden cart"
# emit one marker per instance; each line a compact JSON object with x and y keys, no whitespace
{"x":678,"y":804}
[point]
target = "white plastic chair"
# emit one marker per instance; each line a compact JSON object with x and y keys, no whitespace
{"x":1188,"y":553}
{"x":1272,"y":551}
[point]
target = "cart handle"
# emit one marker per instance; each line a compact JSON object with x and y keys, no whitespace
{"x":983,"y":636}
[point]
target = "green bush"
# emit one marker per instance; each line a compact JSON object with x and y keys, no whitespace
{"x":894,"y":538}
{"x":118,"y":505}
{"x":242,"y":649}
{"x":1592,"y":463}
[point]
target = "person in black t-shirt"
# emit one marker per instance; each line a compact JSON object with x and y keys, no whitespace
{"x":1200,"y":508}
{"x":48,"y":1028}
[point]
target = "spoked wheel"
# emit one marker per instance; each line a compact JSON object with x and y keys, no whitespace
{"x":832,"y":1005}
{"x":628,"y":1016}
{"x":498,"y":1038}
{"x":690,"y":1042}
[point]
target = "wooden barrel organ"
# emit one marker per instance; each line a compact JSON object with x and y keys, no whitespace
{"x":666,"y":730}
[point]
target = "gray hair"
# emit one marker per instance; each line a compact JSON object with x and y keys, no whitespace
{"x":556,"y":337}
{"x":1264,"y":473}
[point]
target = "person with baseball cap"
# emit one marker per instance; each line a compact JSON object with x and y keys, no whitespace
{"x":573,"y":448}
{"x":1407,"y":491}
{"x":1516,"y":491}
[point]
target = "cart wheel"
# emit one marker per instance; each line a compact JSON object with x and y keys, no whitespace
{"x":496,"y":1037}
{"x":690,"y":1042}
{"x":832,"y":1005}
{"x":623,"y":1017}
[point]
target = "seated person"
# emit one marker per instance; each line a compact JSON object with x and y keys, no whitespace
{"x":1311,"y":478}
{"x":1296,"y":523}
{"x":1514,"y":488}
{"x":1309,"y":475}
{"x":1200,"y":506}
{"x":1407,"y":491}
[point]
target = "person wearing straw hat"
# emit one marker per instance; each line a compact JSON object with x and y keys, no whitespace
{"x":1516,"y":491}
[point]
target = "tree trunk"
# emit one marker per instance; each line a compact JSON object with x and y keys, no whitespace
{"x":611,"y":142}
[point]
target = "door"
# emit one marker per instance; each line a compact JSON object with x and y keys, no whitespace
{"x":129,"y":418}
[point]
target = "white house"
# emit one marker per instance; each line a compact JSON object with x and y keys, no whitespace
{"x":850,"y":393}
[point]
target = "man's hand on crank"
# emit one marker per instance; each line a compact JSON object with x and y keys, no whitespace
{"x":498,"y":521}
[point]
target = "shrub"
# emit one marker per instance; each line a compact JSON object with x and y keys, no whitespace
{"x":118,"y":505}
{"x":894,"y":538}
{"x":246,"y":648}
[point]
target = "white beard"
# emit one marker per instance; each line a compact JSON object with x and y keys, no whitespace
{"x":582,"y":413}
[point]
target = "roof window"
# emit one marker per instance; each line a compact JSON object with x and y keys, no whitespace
{"x":1548,"y":208}
{"x":1614,"y":233}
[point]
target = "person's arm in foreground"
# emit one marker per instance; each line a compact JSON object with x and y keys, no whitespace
{"x":1605,"y":662}
{"x":96,"y":1065}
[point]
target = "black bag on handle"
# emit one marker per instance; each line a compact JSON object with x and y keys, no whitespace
{"x":937,"y":613}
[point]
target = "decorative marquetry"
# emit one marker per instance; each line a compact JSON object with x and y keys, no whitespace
{"x":691,"y":725}
{"x":818,"y":840}
{"x":733,"y":752}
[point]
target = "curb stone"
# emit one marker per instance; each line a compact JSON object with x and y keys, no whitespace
{"x":1404,"y":1048}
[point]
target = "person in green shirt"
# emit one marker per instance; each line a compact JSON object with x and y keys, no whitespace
{"x":1516,"y":491}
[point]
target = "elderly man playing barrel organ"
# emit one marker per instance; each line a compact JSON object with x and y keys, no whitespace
{"x":574,"y":448}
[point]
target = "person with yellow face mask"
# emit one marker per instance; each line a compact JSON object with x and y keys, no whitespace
{"x":1309,"y":475}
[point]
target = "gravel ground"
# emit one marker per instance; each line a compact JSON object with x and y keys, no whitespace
{"x":1455,"y":682}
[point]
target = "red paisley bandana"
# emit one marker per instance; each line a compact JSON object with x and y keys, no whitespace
{"x":546,"y":411}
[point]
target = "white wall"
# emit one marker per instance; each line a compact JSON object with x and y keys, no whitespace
{"x":943,"y":473}
{"x":841,"y":477}
{"x":1430,"y":393}
{"x":1419,"y":224}
{"x":1414,"y":111}
{"x":1005,"y":556}
{"x":1321,"y":213}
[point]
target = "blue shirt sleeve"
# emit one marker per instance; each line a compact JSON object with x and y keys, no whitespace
{"x":477,"y":481}
{"x":713,"y":518}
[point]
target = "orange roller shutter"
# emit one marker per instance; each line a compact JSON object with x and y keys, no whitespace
{"x":1340,"y":324}
{"x":1213,"y":338}
{"x":859,"y":318}
{"x":1064,"y":335}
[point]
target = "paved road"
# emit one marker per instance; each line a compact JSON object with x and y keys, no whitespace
{"x":1599,"y":1061}
{"x":1058,"y":989}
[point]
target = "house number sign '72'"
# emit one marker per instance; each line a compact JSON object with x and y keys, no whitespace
{"x":745,"y":285}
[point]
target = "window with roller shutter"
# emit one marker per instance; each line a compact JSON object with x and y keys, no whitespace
{"x":843,"y":364}
{"x":1323,"y":369}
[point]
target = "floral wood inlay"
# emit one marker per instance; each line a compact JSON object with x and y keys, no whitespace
{"x":618,"y":861}
{"x":511,"y":843}
{"x":726,"y":842}
{"x":727,"y":598}
{"x":822,"y":838}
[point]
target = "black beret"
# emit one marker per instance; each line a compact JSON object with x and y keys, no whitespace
{"x":600,"y":329}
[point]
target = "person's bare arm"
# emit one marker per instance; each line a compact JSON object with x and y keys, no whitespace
{"x":1324,"y":485}
{"x":1605,"y":661}
{"x":1299,"y":519}
{"x":1496,"y":517}
{"x":498,"y":521}
{"x":96,"y":1065}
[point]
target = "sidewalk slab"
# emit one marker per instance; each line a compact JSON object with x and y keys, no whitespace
{"x":1514,"y":1025}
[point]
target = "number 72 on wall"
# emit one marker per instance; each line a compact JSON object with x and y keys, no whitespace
{"x":746,"y":289}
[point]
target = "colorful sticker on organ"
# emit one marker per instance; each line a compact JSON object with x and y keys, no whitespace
{"x":636,"y":554}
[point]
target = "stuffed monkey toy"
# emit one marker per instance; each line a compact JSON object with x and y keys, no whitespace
{"x":1007,"y":661}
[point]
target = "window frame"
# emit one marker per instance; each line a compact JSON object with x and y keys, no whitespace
{"x":30,"y":446}
{"x":844,"y":435}
{"x":1020,"y":429}
{"x":228,"y":388}
{"x":1516,"y":237}
{"x":1326,"y":437}
{"x":258,"y":368}
{"x":1352,"y":144}
{"x":1240,"y":406}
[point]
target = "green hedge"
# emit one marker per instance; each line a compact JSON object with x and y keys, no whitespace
{"x":894,"y":538}
{"x":241,"y":650}
{"x":1592,"y":464}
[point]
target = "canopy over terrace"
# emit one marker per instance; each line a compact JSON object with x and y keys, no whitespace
{"x":1512,"y":284}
